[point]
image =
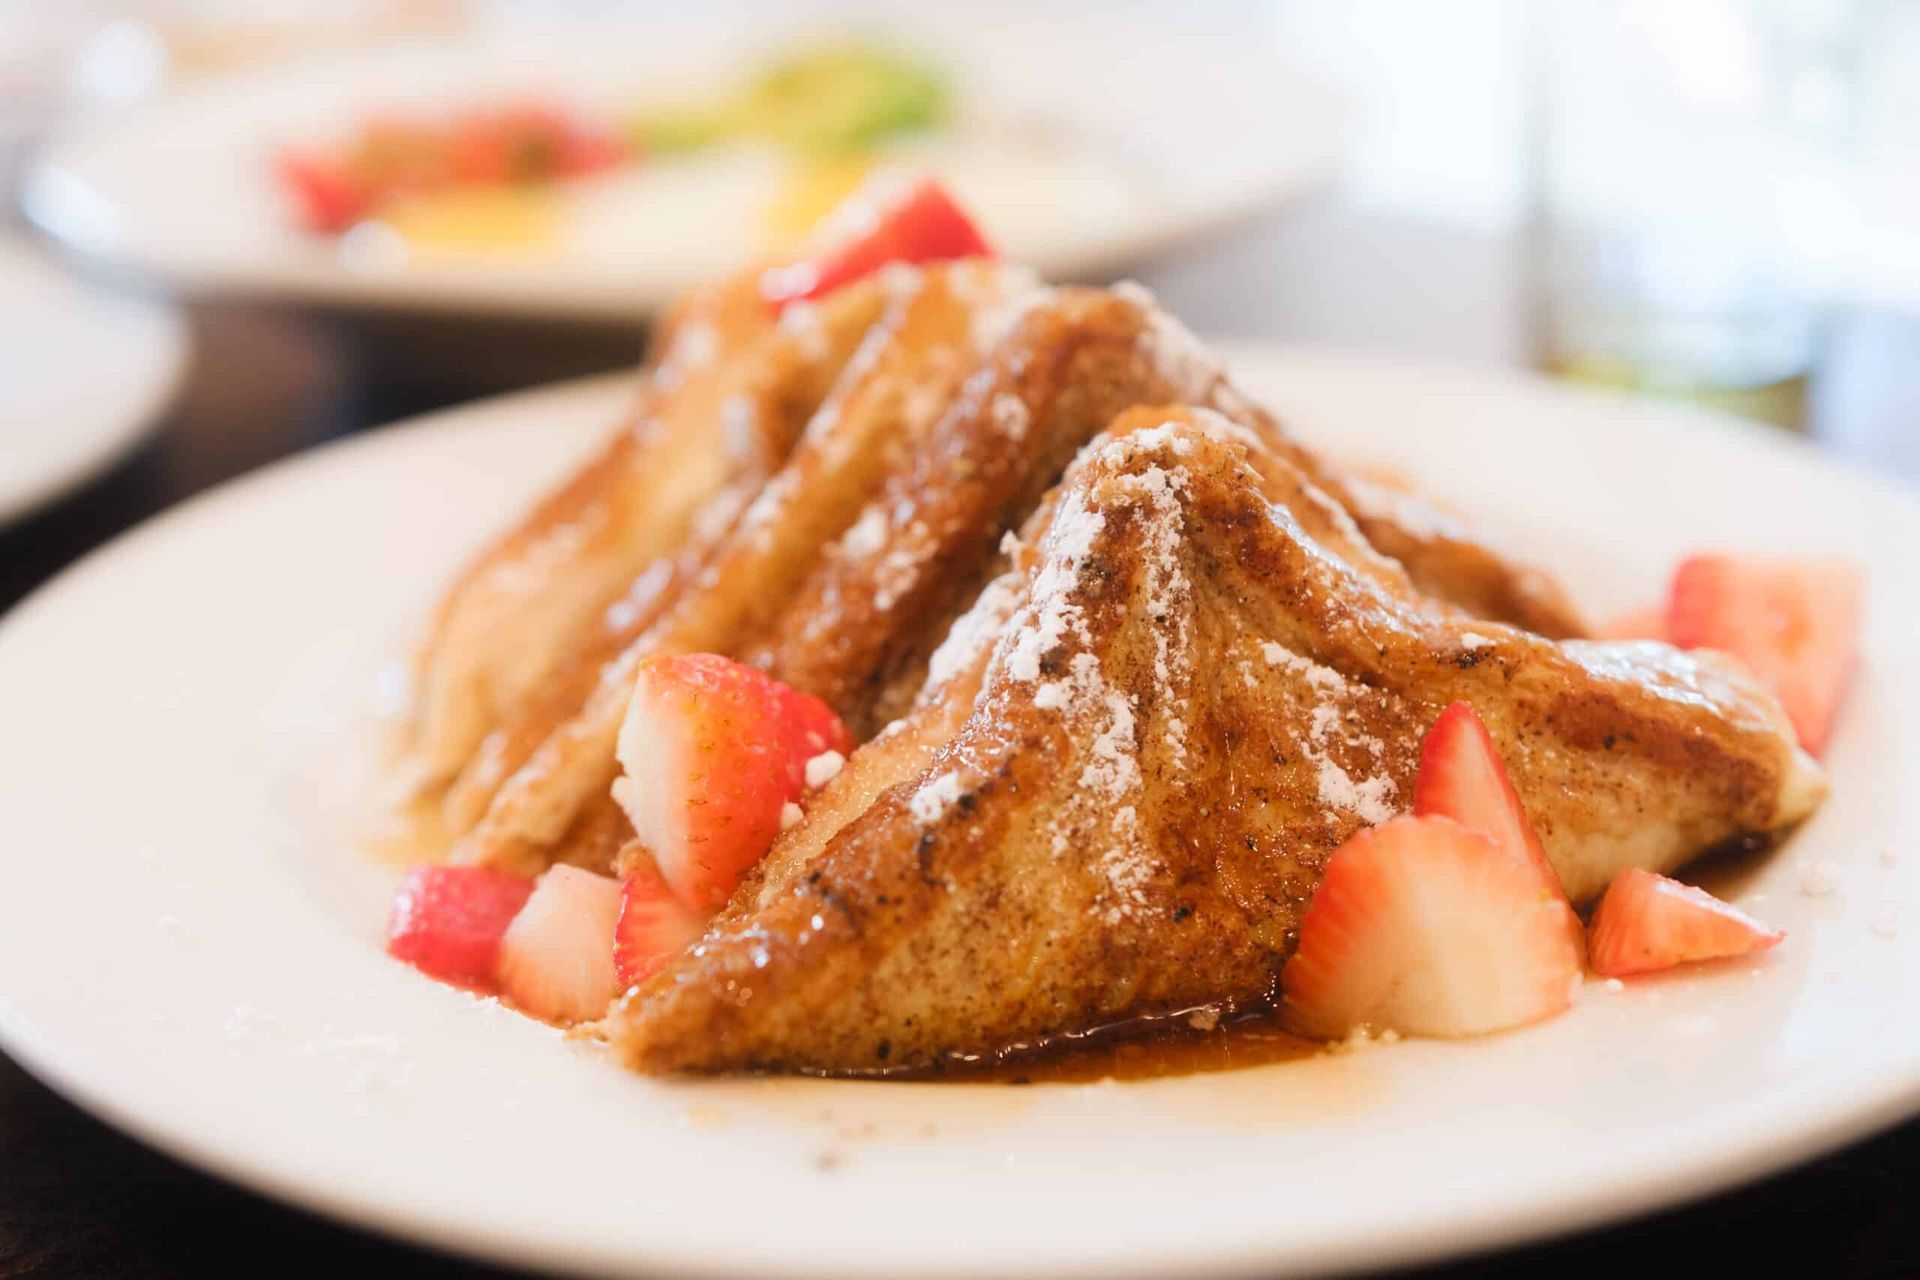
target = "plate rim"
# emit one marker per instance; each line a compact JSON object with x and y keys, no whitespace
{"x":137,"y":417}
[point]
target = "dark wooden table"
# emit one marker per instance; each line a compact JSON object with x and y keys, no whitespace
{"x":78,"y":1199}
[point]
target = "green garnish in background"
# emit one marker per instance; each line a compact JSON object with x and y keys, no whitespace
{"x":831,"y":100}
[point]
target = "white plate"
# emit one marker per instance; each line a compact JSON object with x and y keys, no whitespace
{"x":83,"y":374}
{"x":184,"y":189}
{"x":190,"y":940}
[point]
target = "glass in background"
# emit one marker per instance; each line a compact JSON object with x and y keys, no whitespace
{"x":1680,"y":151}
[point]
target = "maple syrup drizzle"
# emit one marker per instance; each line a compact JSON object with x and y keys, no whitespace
{"x":1186,"y":1043}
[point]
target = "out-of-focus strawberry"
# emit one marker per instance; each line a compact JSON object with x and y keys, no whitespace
{"x":921,"y":223}
{"x":447,"y":921}
{"x":1795,"y":623}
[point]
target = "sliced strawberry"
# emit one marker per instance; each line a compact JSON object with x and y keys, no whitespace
{"x":447,"y":921}
{"x":654,"y":927}
{"x":1462,"y":777}
{"x":1794,"y":622}
{"x":922,"y":223}
{"x":1646,"y":623}
{"x":708,"y":763}
{"x":1426,"y":928}
{"x":556,"y":960}
{"x":1647,"y":922}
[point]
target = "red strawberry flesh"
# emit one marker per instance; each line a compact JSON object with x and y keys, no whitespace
{"x":1462,"y":777}
{"x":654,"y":926}
{"x":1793,"y":622}
{"x":447,"y":922}
{"x":712,"y":751}
{"x":922,"y":223}
{"x":1647,"y":922}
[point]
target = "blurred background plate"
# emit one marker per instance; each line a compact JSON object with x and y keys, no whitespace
{"x":83,"y":375}
{"x":1084,"y":146}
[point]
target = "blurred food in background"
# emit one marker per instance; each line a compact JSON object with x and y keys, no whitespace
{"x":395,"y":168}
{"x":489,"y":177}
{"x":585,"y":163}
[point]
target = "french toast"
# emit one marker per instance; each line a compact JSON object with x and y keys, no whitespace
{"x":1119,"y":665}
{"x":1039,"y":373}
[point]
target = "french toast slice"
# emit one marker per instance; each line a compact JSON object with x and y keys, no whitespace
{"x":722,"y":404}
{"x":1195,"y":679}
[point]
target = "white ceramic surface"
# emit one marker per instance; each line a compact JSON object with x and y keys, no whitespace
{"x":184,"y":190}
{"x":190,"y":938}
{"x":83,"y":374}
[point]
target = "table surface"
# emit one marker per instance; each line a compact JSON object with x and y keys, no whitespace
{"x":79,"y":1199}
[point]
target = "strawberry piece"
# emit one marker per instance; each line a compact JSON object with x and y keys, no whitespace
{"x":923,"y":223}
{"x":1462,"y":777}
{"x":654,"y":927}
{"x":447,"y":921}
{"x":1647,"y":922}
{"x":1646,"y":623}
{"x":1794,"y":622}
{"x":811,"y":728}
{"x":1424,"y":927}
{"x":330,"y":194}
{"x":712,"y":751}
{"x":556,"y":960}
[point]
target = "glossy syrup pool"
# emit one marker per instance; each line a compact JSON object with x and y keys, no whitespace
{"x":1175,"y":1046}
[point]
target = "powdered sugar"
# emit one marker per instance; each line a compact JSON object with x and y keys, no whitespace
{"x":1127,"y":865}
{"x":695,"y":345}
{"x":1180,"y":357}
{"x":1819,"y":879}
{"x":693,"y":348}
{"x":973,"y":630}
{"x":824,"y":768}
{"x":1162,"y":437}
{"x":1325,"y":679}
{"x":1371,"y":798}
{"x":868,"y":534}
{"x":1069,"y":541}
{"x":899,"y":572}
{"x":931,"y":802}
{"x":801,"y":321}
{"x":1166,"y":582}
{"x":1112,"y":770}
{"x":993,"y":325}
{"x":1010,"y":416}
{"x":1100,"y":809}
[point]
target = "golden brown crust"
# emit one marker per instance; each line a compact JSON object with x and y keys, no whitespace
{"x":1198,"y":696}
